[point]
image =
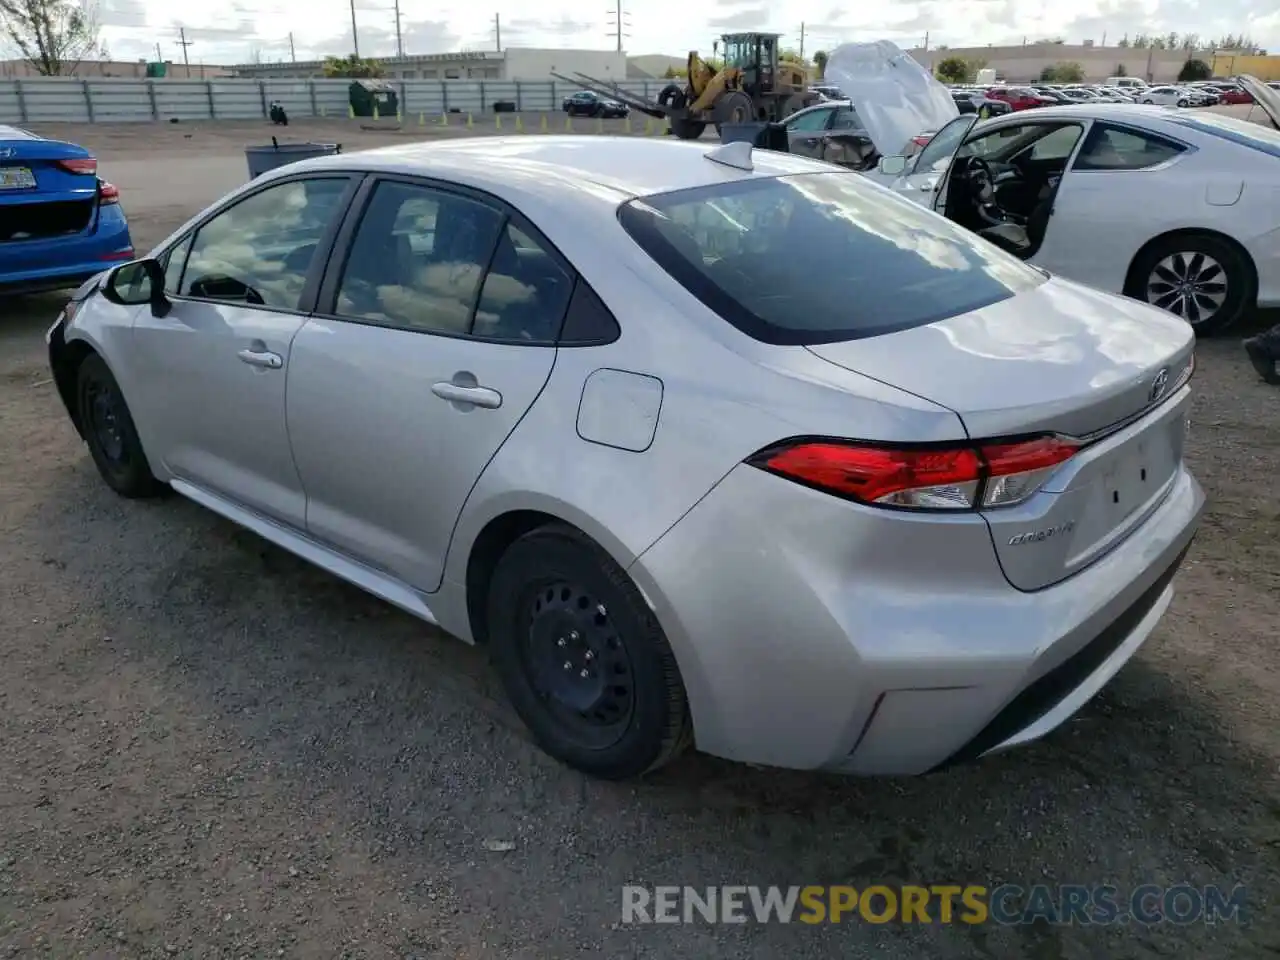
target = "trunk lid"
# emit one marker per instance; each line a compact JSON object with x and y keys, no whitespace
{"x":33,"y":170}
{"x":1263,"y":96}
{"x":1059,"y":359}
{"x":895,"y":97}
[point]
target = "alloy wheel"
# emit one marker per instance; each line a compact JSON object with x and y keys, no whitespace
{"x":1191,"y":285}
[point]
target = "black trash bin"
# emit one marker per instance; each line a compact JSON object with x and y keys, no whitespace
{"x":264,"y":158}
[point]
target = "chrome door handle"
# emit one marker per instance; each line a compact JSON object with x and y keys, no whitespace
{"x":472,"y":396}
{"x":262,"y":358}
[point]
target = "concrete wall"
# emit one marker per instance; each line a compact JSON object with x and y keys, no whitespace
{"x":116,"y":68}
{"x":1229,"y":64}
{"x":525,"y":63}
{"x":513,"y":63}
{"x":1025,"y":63}
{"x":140,"y":101}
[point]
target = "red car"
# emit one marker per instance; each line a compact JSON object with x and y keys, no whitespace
{"x":1019,"y":98}
{"x":1233,"y":95}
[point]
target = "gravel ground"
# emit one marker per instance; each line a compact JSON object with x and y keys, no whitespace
{"x":209,"y":749}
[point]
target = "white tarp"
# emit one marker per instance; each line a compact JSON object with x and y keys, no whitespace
{"x":896,"y":98}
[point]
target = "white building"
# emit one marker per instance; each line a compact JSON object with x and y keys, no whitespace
{"x":513,"y":63}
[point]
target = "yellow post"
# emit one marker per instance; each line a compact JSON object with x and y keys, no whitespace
{"x":519,"y":123}
{"x":444,"y":119}
{"x":648,"y":126}
{"x":351,"y":112}
{"x":599,"y":125}
{"x":422,"y":119}
{"x":375,"y":111}
{"x":626,"y":125}
{"x":568,"y":124}
{"x":324,"y":111}
{"x":497,"y":120}
{"x":470,"y":121}
{"x":544,"y":123}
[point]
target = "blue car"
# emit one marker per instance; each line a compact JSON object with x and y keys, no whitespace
{"x":60,"y":224}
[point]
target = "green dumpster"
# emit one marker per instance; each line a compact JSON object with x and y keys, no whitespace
{"x":373,"y":98}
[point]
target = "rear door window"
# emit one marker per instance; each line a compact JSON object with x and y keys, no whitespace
{"x":1115,"y":148}
{"x":818,"y":258}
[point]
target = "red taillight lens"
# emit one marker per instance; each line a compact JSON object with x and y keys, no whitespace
{"x":921,"y":140}
{"x":922,"y":478}
{"x":108,"y":193}
{"x":85,"y":165}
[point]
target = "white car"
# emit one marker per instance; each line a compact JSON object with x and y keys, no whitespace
{"x":1172,"y":207}
{"x":1169,"y":96}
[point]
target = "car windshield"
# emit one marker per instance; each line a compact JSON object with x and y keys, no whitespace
{"x":818,"y":258}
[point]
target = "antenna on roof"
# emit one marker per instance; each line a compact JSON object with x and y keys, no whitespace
{"x":736,"y":155}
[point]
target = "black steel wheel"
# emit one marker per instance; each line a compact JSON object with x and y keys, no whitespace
{"x":108,"y":430}
{"x":582,"y":657}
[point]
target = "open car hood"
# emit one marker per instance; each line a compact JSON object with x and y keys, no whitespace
{"x":1265,"y":97}
{"x":895,"y":97}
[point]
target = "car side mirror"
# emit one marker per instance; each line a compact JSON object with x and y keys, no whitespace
{"x":892,"y":166}
{"x":136,"y":283}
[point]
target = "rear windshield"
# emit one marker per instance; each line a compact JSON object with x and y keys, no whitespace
{"x":817,"y":258}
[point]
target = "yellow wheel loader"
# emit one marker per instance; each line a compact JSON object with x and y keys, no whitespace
{"x":752,"y":85}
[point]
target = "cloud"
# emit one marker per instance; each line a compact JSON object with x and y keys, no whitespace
{"x":746,"y":19}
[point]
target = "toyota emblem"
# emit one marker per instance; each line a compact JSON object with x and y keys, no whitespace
{"x":1158,"y":386}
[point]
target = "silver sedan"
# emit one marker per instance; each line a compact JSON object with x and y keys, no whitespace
{"x":705,"y":446}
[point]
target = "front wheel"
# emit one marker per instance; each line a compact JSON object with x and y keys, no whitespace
{"x":108,"y":430}
{"x":1183,"y":103}
{"x":583,"y":658}
{"x":1201,"y":278}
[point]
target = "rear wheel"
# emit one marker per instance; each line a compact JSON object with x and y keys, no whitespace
{"x":582,"y":657}
{"x":110,"y":434}
{"x":1182,"y":103}
{"x":1202,"y":278}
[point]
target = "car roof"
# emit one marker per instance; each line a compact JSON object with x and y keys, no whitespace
{"x":1123,"y":112}
{"x":553,"y":170}
{"x":17,"y":133}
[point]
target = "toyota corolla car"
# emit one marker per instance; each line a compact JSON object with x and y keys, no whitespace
{"x":727,"y":447}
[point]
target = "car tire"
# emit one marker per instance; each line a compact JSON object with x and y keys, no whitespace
{"x":1162,"y":266}
{"x":1148,"y":100}
{"x":1182,"y":103}
{"x":109,"y":432}
{"x":583,"y":658}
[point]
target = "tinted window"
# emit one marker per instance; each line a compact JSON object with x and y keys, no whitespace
{"x":820,"y":257}
{"x":813,"y":120}
{"x":417,"y":259}
{"x":525,"y":292}
{"x":846,"y":119}
{"x":260,"y":250}
{"x":1113,"y":148}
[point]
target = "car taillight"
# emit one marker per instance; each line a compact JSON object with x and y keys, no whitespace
{"x":921,"y":140}
{"x":929,"y":477}
{"x":85,"y":165}
{"x":108,"y":193}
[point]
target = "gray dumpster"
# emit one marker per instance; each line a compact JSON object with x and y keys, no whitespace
{"x":262,"y":159}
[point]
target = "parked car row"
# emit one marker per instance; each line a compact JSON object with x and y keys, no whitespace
{"x":1032,"y":95}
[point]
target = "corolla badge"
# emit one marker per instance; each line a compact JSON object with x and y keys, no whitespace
{"x":1158,"y":385}
{"x":1038,"y":536}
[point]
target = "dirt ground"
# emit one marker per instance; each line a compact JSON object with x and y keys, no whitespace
{"x":210,"y":749}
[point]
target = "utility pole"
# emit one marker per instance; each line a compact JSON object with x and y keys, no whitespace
{"x":497,"y":32}
{"x":926,"y":40}
{"x":185,"y":43}
{"x":159,"y":56}
{"x":802,"y":41}
{"x":399,"y":38}
{"x":355,"y":34}
{"x":293,"y":57}
{"x":619,"y":24}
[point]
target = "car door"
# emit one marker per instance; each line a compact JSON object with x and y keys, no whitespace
{"x":921,"y":182}
{"x":213,"y":369}
{"x":1120,"y":178}
{"x":845,"y":141}
{"x":805,"y":130}
{"x":434,"y":333}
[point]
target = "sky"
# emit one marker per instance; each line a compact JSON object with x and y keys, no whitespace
{"x":242,"y":31}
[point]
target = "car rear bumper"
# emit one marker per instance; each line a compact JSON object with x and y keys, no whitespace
{"x":31,"y":266}
{"x":816,"y":633}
